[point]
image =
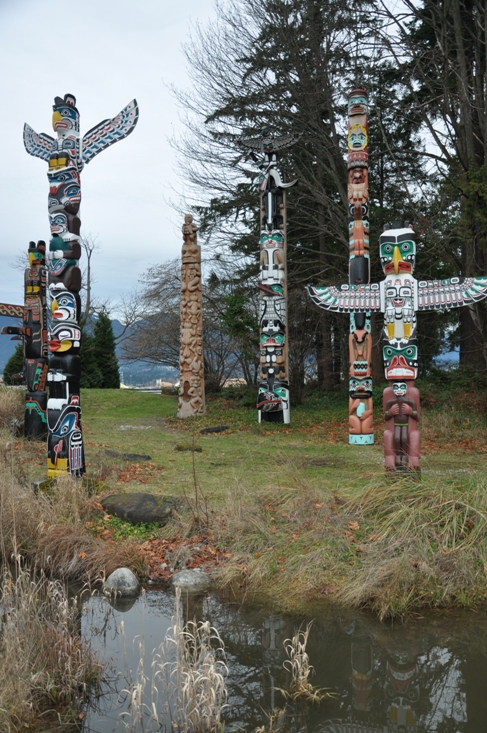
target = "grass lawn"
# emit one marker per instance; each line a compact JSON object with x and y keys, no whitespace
{"x":302,"y":516}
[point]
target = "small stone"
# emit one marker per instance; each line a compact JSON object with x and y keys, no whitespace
{"x":122,"y":582}
{"x":191,"y":581}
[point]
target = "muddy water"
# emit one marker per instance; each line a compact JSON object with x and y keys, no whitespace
{"x":429,"y":675}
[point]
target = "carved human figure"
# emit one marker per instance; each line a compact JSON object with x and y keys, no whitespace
{"x":402,"y":440}
{"x":360,"y":409}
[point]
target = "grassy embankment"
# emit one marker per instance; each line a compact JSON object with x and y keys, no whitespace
{"x":305,"y":517}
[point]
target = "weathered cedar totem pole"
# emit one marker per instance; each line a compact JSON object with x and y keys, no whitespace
{"x":66,"y":157}
{"x":191,"y":362}
{"x":273,"y":402}
{"x":399,"y":296}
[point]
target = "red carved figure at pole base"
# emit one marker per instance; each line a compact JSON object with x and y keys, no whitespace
{"x":402,"y":440}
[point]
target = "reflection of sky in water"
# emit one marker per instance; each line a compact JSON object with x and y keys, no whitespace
{"x":448,"y":700}
{"x":427,"y":676}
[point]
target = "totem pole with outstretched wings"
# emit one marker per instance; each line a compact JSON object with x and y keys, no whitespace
{"x":66,"y":156}
{"x":399,"y":297}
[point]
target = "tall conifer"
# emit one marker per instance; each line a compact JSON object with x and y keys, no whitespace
{"x":104,"y":352}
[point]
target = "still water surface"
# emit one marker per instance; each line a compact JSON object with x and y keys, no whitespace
{"x":428,"y":676}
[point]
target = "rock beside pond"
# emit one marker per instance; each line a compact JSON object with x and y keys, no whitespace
{"x":138,"y":508}
{"x":191,"y":581}
{"x":122,"y":582}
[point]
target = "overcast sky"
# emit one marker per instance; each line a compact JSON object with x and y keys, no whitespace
{"x":105,"y":52}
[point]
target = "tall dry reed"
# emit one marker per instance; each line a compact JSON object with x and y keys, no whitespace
{"x":44,"y":662}
{"x":188,"y":677}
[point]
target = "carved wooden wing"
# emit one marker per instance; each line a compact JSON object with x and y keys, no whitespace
{"x":7,"y":309}
{"x":452,"y":293}
{"x":108,"y":132}
{"x":39,"y":145}
{"x":346,"y":298}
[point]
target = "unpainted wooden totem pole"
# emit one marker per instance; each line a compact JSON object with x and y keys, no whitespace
{"x":66,"y":155}
{"x":273,"y":401}
{"x":399,"y":296}
{"x":191,"y":361}
{"x":360,"y":430}
{"x":33,"y":334}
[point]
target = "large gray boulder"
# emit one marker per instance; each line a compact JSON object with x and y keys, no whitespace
{"x":121,"y":582}
{"x":140,"y":508}
{"x":191,"y":581}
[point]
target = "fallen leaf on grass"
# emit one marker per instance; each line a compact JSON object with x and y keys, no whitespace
{"x":353,"y":526}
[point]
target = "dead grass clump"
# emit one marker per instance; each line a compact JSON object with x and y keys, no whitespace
{"x":425,"y":548}
{"x":188,"y":677}
{"x":12,"y":405}
{"x":45,"y":666}
{"x":48,"y":530}
{"x":297,"y":663}
{"x":290,"y":543}
{"x":70,"y":553}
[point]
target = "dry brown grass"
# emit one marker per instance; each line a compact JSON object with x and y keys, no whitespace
{"x":48,"y":531}
{"x":12,"y":403}
{"x":393,"y":546}
{"x":46,"y":669}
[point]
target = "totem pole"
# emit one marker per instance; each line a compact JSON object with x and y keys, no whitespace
{"x":66,"y":157}
{"x":399,"y":296}
{"x":273,"y":403}
{"x":360,"y":429}
{"x":191,"y":362}
{"x":33,"y":333}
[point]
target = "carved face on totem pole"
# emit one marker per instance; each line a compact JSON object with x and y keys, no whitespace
{"x":401,"y":363}
{"x":357,"y":103}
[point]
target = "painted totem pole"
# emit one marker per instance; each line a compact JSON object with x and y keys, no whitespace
{"x":360,"y":429}
{"x":399,"y":296}
{"x":66,"y":157}
{"x":33,"y":333}
{"x":191,"y":362}
{"x":273,"y":402}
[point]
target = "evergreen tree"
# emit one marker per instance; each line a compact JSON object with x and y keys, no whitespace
{"x":91,"y":375}
{"x":104,"y":351}
{"x":15,"y":365}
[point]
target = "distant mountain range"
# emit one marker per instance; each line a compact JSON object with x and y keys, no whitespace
{"x":136,"y":373}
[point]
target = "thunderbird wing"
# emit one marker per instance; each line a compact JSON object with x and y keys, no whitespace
{"x":346,"y":298}
{"x":108,"y":132}
{"x":451,"y":293}
{"x":38,"y":145}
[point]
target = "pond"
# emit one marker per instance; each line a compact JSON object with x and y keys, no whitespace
{"x":428,"y":675}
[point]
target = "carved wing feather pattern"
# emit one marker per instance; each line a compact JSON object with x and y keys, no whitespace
{"x":38,"y":145}
{"x":346,"y":298}
{"x":7,"y":309}
{"x":452,"y":293}
{"x":107,"y":132}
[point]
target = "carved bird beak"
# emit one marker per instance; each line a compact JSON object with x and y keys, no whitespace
{"x":396,"y":259}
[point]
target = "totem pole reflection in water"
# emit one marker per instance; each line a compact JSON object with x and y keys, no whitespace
{"x":361,"y":431}
{"x":273,"y":403}
{"x":66,"y":157}
{"x":33,"y":334}
{"x":191,"y":363}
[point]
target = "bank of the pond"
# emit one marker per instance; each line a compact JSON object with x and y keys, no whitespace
{"x":287,"y":513}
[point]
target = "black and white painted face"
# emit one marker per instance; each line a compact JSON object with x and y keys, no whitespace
{"x":399,"y":388}
{"x":64,"y":307}
{"x":399,"y":294}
